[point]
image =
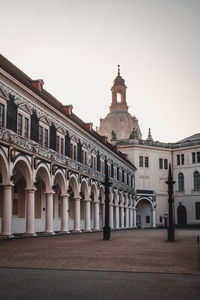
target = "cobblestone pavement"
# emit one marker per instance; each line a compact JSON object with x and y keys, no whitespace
{"x":131,"y":250}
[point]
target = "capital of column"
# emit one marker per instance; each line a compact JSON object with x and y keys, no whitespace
{"x":65,"y":195}
{"x":7,"y":186}
{"x":87,"y":200}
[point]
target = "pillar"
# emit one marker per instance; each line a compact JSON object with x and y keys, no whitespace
{"x":7,"y":211}
{"x":131,"y":217}
{"x":111,"y":215}
{"x":134,"y":218}
{"x":117,"y":216}
{"x":122,"y":217}
{"x":65,"y":213}
{"x":87,"y":215}
{"x":154,"y":218}
{"x":127,"y":217}
{"x":77,"y":215}
{"x":49,"y":213}
{"x":96,"y":215}
{"x":30,"y":212}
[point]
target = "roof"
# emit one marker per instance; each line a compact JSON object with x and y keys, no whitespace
{"x":193,"y":137}
{"x":15,"y":72}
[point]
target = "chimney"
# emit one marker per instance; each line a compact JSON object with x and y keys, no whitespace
{"x":103,"y":138}
{"x":89,"y":126}
{"x":68,"y":109}
{"x":38,"y":84}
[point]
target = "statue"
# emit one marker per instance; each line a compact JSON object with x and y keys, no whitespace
{"x":113,"y":136}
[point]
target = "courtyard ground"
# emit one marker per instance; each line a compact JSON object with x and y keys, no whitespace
{"x":135,"y":264}
{"x":130,"y":250}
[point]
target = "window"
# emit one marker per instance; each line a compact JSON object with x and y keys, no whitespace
{"x":178,"y":159}
{"x":161,"y":219}
{"x":147,"y":219}
{"x":73,"y":151}
{"x":57,"y":143}
{"x":198,"y":157}
{"x":193,"y":157}
{"x":40,"y":135}
{"x":165,"y":164}
{"x":15,"y":207}
{"x":180,"y":182}
{"x":62,"y":146}
{"x":141,"y":161}
{"x":196,"y":180}
{"x":23,"y":121}
{"x":146,"y":162}
{"x":2,"y":114}
{"x":182,"y":159}
{"x":102,"y":166}
{"x":197,"y":206}
{"x":84,"y":157}
{"x":26,"y":127}
{"x":19,"y":124}
{"x":160,"y":163}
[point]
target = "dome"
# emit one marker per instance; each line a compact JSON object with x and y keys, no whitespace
{"x":119,"y":124}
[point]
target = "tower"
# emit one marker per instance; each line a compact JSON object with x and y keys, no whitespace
{"x":118,"y":93}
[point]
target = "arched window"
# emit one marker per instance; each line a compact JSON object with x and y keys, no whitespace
{"x":196,"y":180}
{"x":180,"y":182}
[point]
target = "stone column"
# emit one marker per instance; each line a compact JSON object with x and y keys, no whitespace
{"x":87,"y":215}
{"x":117,"y":216}
{"x":127,"y":217}
{"x":111,"y":215}
{"x":134,"y":218}
{"x":77,"y":215}
{"x":49,"y":213}
{"x":154,"y":218}
{"x":64,"y":213}
{"x":30,"y":212}
{"x":7,"y":211}
{"x":122,"y":217}
{"x":131,"y":217}
{"x":96,"y":215}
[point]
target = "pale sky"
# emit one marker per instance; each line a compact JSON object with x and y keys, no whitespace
{"x":76,"y":45}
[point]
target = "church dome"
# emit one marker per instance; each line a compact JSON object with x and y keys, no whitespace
{"x":119,"y":124}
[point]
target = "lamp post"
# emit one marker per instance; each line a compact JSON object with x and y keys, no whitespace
{"x":106,"y":229}
{"x":170,"y":184}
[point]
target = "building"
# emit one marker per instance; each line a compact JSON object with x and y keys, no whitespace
{"x":52,"y":165}
{"x":152,"y":159}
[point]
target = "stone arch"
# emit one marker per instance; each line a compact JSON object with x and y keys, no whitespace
{"x":43,"y":173}
{"x":94,"y":190}
{"x":24,"y":166}
{"x":4,"y":168}
{"x":85,"y":188}
{"x":59,"y":188}
{"x":144,"y":213}
{"x":101,"y":207}
{"x":59,"y":177}
{"x":73,"y":183}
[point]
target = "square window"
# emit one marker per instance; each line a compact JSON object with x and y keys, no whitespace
{"x":198,"y":157}
{"x":193,"y":157}
{"x":197,"y":204}
{"x":182,"y":159}
{"x":178,"y":159}
{"x":147,"y":219}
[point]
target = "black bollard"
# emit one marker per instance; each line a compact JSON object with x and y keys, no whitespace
{"x":170,"y":184}
{"x":106,"y":229}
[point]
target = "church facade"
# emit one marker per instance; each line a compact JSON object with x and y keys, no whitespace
{"x":152,"y":159}
{"x":52,"y":165}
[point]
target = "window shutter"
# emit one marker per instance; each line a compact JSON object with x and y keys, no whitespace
{"x":12,"y":114}
{"x":98,"y":162}
{"x":80,"y":152}
{"x":53,"y":137}
{"x":34,"y":127}
{"x":67,"y":145}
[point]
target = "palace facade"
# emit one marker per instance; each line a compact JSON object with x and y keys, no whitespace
{"x":152,"y":159}
{"x":52,"y":165}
